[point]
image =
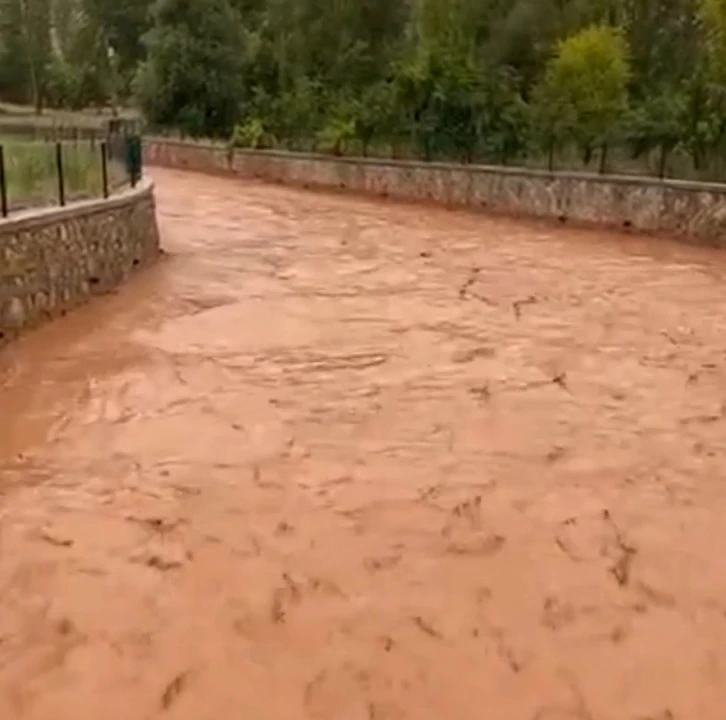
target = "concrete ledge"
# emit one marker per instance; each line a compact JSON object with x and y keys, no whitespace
{"x":52,"y":259}
{"x":690,"y":210}
{"x":35,"y":217}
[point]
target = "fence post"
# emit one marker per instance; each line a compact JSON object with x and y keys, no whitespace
{"x":3,"y":187}
{"x":140,"y":156}
{"x":134,"y":165}
{"x":59,"y":166}
{"x":133,"y":158}
{"x":104,"y":169}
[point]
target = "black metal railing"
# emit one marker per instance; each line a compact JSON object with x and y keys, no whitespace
{"x":37,"y":173}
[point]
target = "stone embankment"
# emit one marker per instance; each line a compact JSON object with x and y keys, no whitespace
{"x":690,"y":210}
{"x":55,"y":258}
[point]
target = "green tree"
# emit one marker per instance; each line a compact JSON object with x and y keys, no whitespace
{"x":713,"y":16}
{"x":586,"y":85}
{"x":80,"y":71}
{"x":374,"y":114}
{"x":124,"y":25}
{"x":658,"y":122}
{"x":192,"y":76}
{"x":438,"y":81}
{"x":711,"y":121}
{"x":664,"y":40}
{"x":504,"y":116}
{"x":25,"y":45}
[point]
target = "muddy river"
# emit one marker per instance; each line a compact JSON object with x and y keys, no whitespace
{"x":339,"y":459}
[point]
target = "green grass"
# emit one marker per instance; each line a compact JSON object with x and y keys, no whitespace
{"x":32,"y":177}
{"x":13,"y":114}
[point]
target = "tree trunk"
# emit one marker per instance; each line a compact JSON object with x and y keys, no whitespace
{"x":586,"y":155}
{"x":427,"y":148}
{"x":662,"y":161}
{"x":39,"y":100}
{"x":30,"y":50}
{"x":603,"y":158}
{"x":696,"y":157}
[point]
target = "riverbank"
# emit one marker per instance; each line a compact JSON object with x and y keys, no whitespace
{"x":691,"y":211}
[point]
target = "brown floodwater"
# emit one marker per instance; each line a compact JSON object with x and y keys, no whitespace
{"x":340,"y":459}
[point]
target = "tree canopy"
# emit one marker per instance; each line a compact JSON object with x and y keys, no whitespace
{"x":486,"y":80}
{"x":193,"y":69}
{"x":584,"y":91}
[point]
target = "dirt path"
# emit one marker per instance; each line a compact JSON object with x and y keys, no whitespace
{"x":345,"y":460}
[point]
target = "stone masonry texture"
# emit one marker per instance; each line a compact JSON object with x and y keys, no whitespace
{"x":56,"y":258}
{"x":695,"y":211}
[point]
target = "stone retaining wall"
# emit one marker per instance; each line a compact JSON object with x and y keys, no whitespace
{"x":55,"y":258}
{"x":686,"y":209}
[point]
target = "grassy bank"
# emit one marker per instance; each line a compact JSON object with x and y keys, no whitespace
{"x":31,"y":172}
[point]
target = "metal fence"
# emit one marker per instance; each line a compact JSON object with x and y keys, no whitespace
{"x":37,"y":173}
{"x":623,"y":158}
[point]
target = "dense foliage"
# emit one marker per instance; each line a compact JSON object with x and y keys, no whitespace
{"x":625,"y":83}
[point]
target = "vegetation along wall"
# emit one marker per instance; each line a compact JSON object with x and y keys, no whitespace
{"x":55,"y":258}
{"x":686,"y":209}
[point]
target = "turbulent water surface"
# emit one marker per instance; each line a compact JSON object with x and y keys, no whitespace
{"x":348,"y":460}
